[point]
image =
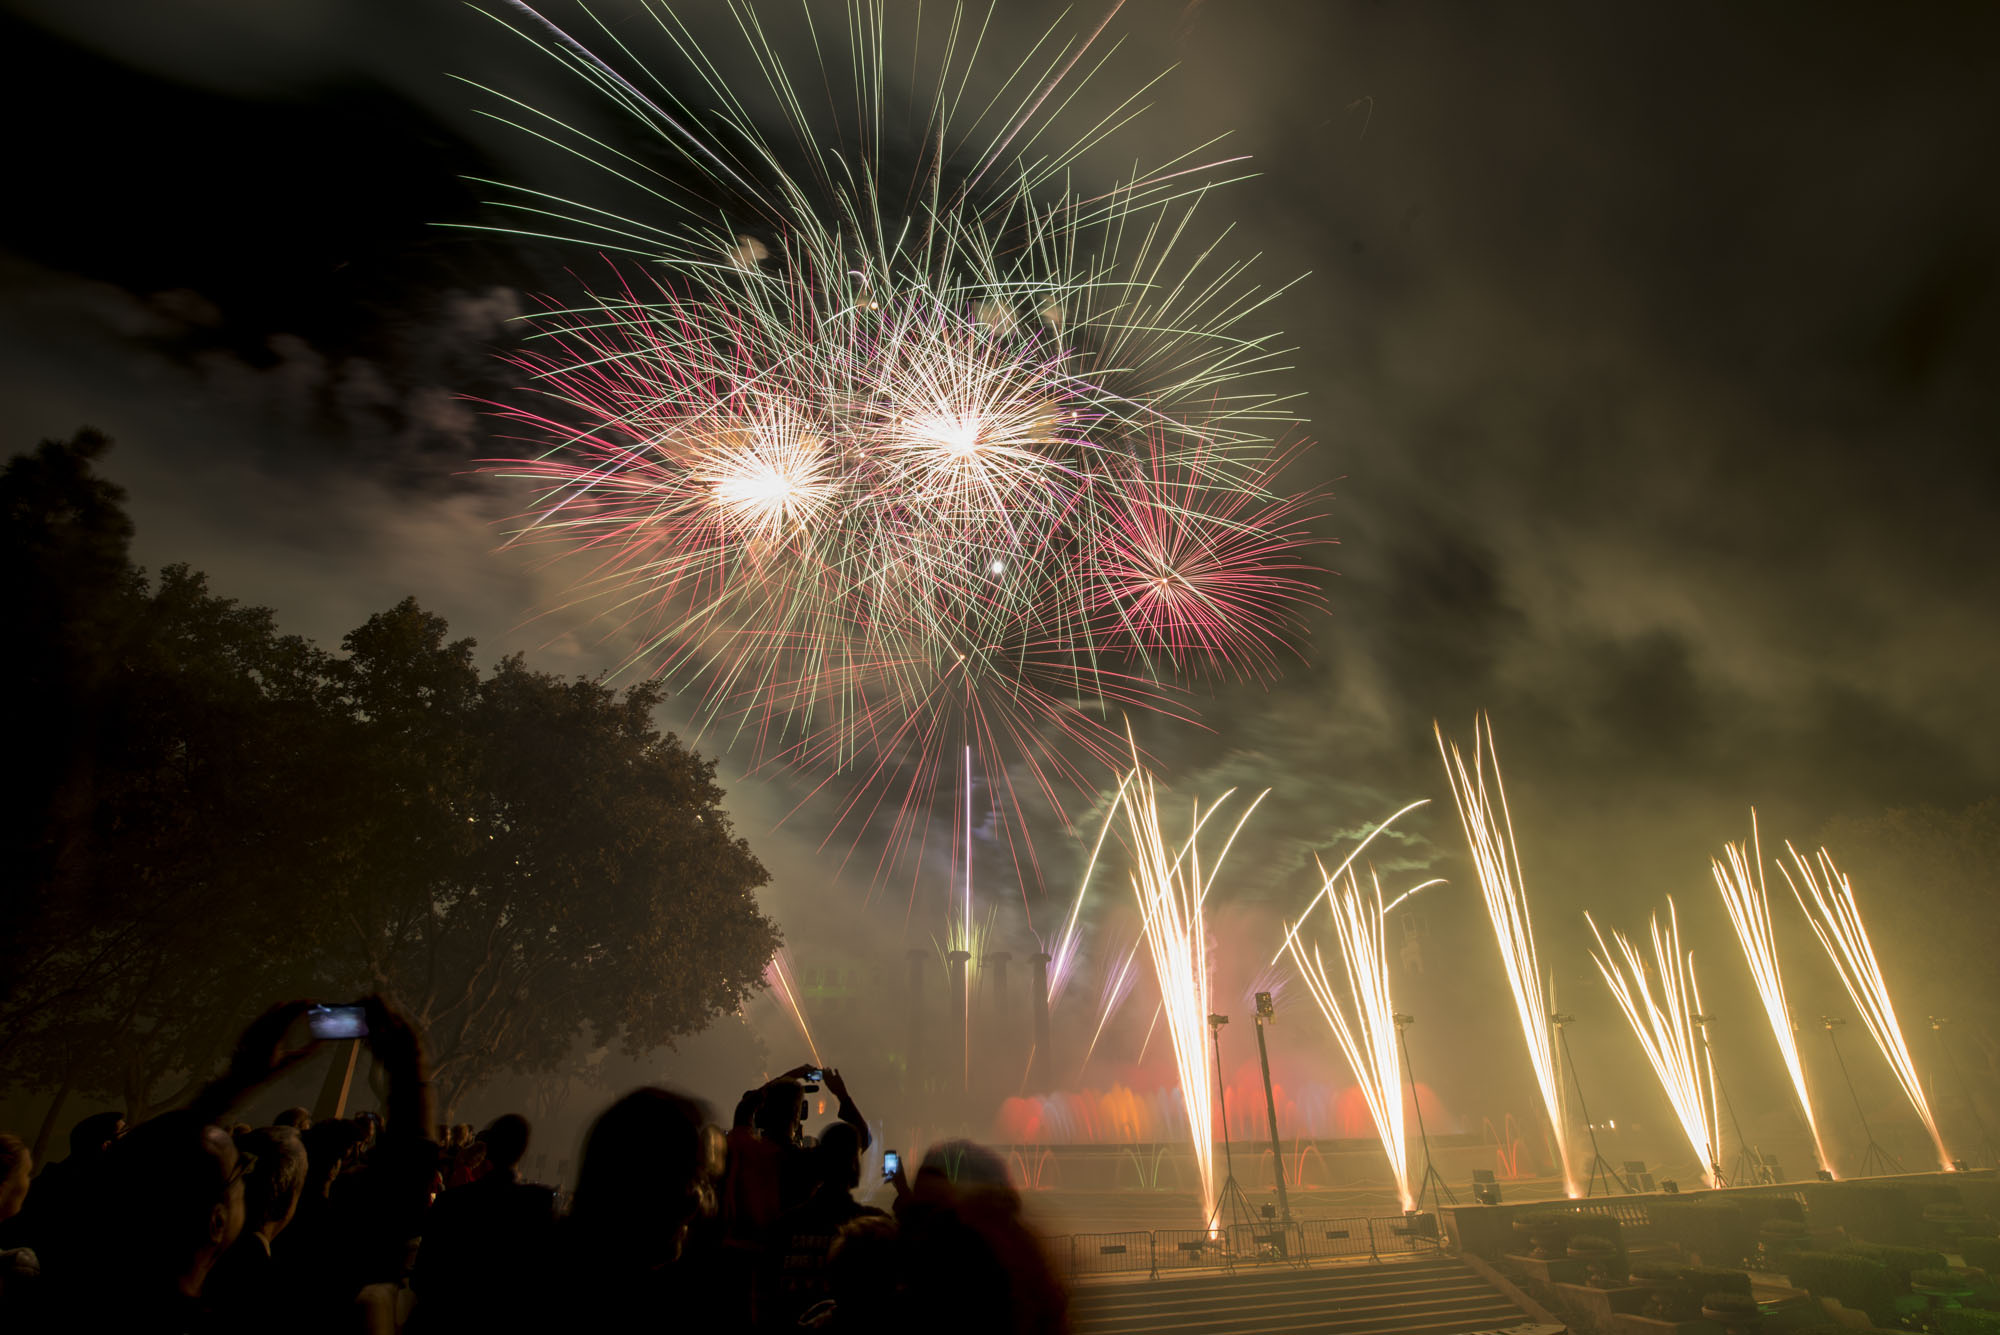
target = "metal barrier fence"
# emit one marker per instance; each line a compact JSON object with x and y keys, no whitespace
{"x":1152,"y":1252}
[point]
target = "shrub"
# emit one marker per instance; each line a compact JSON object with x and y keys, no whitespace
{"x":1548,"y":1230}
{"x":1979,"y":1251}
{"x":1703,"y":1280}
{"x":1900,"y":1262}
{"x":1851,"y":1280}
{"x":1869,"y":1210}
{"x":1547,"y":1221}
{"x":1968,"y":1321}
{"x":1718,"y":1232}
{"x":1766,"y":1208}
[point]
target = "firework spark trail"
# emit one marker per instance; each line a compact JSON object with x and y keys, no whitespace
{"x":1062,"y":959}
{"x":779,"y":978}
{"x":1345,"y":864}
{"x":1368,"y":1037}
{"x":1836,"y":921}
{"x":1171,"y":887}
{"x":1662,"y":1001}
{"x":994,"y":457}
{"x":1741,"y":882}
{"x":1489,"y":832}
{"x":1119,"y":975}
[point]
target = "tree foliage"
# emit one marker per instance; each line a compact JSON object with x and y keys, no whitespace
{"x":220,"y":814}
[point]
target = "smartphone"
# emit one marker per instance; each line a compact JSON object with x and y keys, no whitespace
{"x":815,"y":1075}
{"x":892,"y":1163}
{"x":330,"y":1022}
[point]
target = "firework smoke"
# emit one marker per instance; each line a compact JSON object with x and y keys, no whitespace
{"x":1489,"y":832}
{"x":1741,"y":882}
{"x":1368,"y":1037}
{"x":1836,"y":921}
{"x":1662,"y":1002}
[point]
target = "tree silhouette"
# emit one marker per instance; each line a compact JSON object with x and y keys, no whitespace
{"x":216,"y":815}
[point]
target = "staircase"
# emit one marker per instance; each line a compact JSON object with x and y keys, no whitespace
{"x":1430,"y":1296}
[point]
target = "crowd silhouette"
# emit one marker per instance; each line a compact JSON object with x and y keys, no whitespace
{"x":192,"y":1222}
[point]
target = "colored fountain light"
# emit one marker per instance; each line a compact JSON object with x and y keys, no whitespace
{"x":1489,"y":831}
{"x":1836,"y":921}
{"x":1741,"y":882}
{"x":1362,"y":1013}
{"x":1662,"y":1002}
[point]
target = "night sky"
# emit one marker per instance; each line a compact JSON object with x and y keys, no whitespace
{"x":1648,"y":351}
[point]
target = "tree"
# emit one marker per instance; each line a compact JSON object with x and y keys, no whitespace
{"x":532,"y":858}
{"x":220,"y":815}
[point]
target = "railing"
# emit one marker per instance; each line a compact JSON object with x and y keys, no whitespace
{"x":1152,"y":1252}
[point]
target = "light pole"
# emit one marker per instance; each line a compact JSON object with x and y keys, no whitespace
{"x":1267,"y":1011}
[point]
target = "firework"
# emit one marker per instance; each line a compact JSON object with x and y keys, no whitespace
{"x":1368,"y":1035}
{"x":1741,"y":882}
{"x":1062,"y":959}
{"x":1171,"y":886}
{"x":1662,"y":1002}
{"x":1119,"y":975}
{"x":779,"y":978}
{"x":1836,"y":921}
{"x":889,"y":459}
{"x":1489,"y":831}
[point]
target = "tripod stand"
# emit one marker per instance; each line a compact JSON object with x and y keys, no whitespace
{"x":1875,"y":1160}
{"x":1231,"y":1197}
{"x":1938,"y":1023}
{"x":1432,"y":1180}
{"x":1600,"y":1167}
{"x":1748,"y":1168}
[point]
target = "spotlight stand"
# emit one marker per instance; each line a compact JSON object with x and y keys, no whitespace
{"x":1938,"y":1022}
{"x":1231,"y":1196}
{"x":1267,"y":1011}
{"x":1746,"y":1167}
{"x":1432,"y":1180}
{"x":1600,"y":1167}
{"x":1875,"y":1161}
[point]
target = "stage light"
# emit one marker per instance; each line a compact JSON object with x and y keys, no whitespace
{"x":1217,"y":1021}
{"x":1670,"y":1187}
{"x":1266,"y":1008}
{"x":1823,"y":1175}
{"x":1485,"y":1191}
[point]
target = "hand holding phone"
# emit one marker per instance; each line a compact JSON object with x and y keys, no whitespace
{"x":892,"y":1164}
